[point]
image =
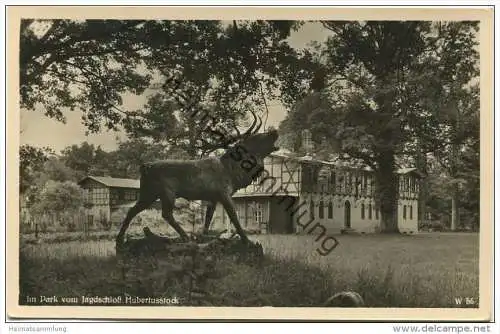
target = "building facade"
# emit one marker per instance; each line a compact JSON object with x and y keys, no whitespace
{"x":106,"y":194}
{"x":295,"y":193}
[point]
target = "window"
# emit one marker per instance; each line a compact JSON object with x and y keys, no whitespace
{"x":258,"y":213}
{"x":332,"y":181}
{"x":370,"y":211}
{"x":340,"y":183}
{"x":330,"y":210}
{"x":321,"y":210}
{"x":323,"y":185}
{"x":362,"y":211}
{"x":357,"y":184}
{"x":309,"y":178}
{"x":404,"y":211}
{"x":130,"y":195}
{"x":411,"y":211}
{"x":311,"y":209}
{"x":240,"y":213}
{"x":99,"y":196}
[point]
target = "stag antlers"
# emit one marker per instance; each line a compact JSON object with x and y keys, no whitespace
{"x":224,"y":140}
{"x":250,"y":131}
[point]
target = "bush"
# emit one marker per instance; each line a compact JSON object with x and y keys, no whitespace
{"x":118,"y":215}
{"x":432,"y":226}
{"x":104,"y":221}
{"x":59,"y":197}
{"x":437,"y":226}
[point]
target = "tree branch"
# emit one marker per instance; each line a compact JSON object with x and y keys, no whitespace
{"x":367,"y":159}
{"x":99,"y":77}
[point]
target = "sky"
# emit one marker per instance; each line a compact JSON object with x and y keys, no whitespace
{"x":39,"y":130}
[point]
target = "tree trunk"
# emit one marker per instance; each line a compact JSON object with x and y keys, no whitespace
{"x":387,"y":140}
{"x":387,"y":192}
{"x":453,"y":172}
{"x":423,"y":188}
{"x":455,"y":161}
{"x":422,"y":200}
{"x":454,"y":211}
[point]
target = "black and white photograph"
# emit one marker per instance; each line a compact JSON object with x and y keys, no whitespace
{"x":250,"y":162}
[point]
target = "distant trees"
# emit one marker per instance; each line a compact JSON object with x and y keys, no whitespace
{"x":457,"y":144}
{"x":59,"y":197}
{"x":441,"y":190}
{"x":87,"y":159}
{"x":31,"y":161}
{"x":53,"y":170}
{"x":126,"y":160}
{"x":77,"y":161}
{"x":56,"y":170}
{"x":83,"y":158}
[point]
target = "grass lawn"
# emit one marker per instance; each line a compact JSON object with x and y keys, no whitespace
{"x":425,"y":270}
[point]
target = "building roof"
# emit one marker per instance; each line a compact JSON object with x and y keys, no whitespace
{"x":286,"y":154}
{"x":114,"y":182}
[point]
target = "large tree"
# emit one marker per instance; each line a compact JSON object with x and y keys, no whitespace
{"x":89,"y":65}
{"x":85,"y":65}
{"x":377,"y":99}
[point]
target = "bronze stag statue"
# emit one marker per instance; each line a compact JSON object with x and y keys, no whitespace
{"x":212,"y":179}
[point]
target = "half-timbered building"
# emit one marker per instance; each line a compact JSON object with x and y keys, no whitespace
{"x":106,"y":194}
{"x":297,"y":192}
